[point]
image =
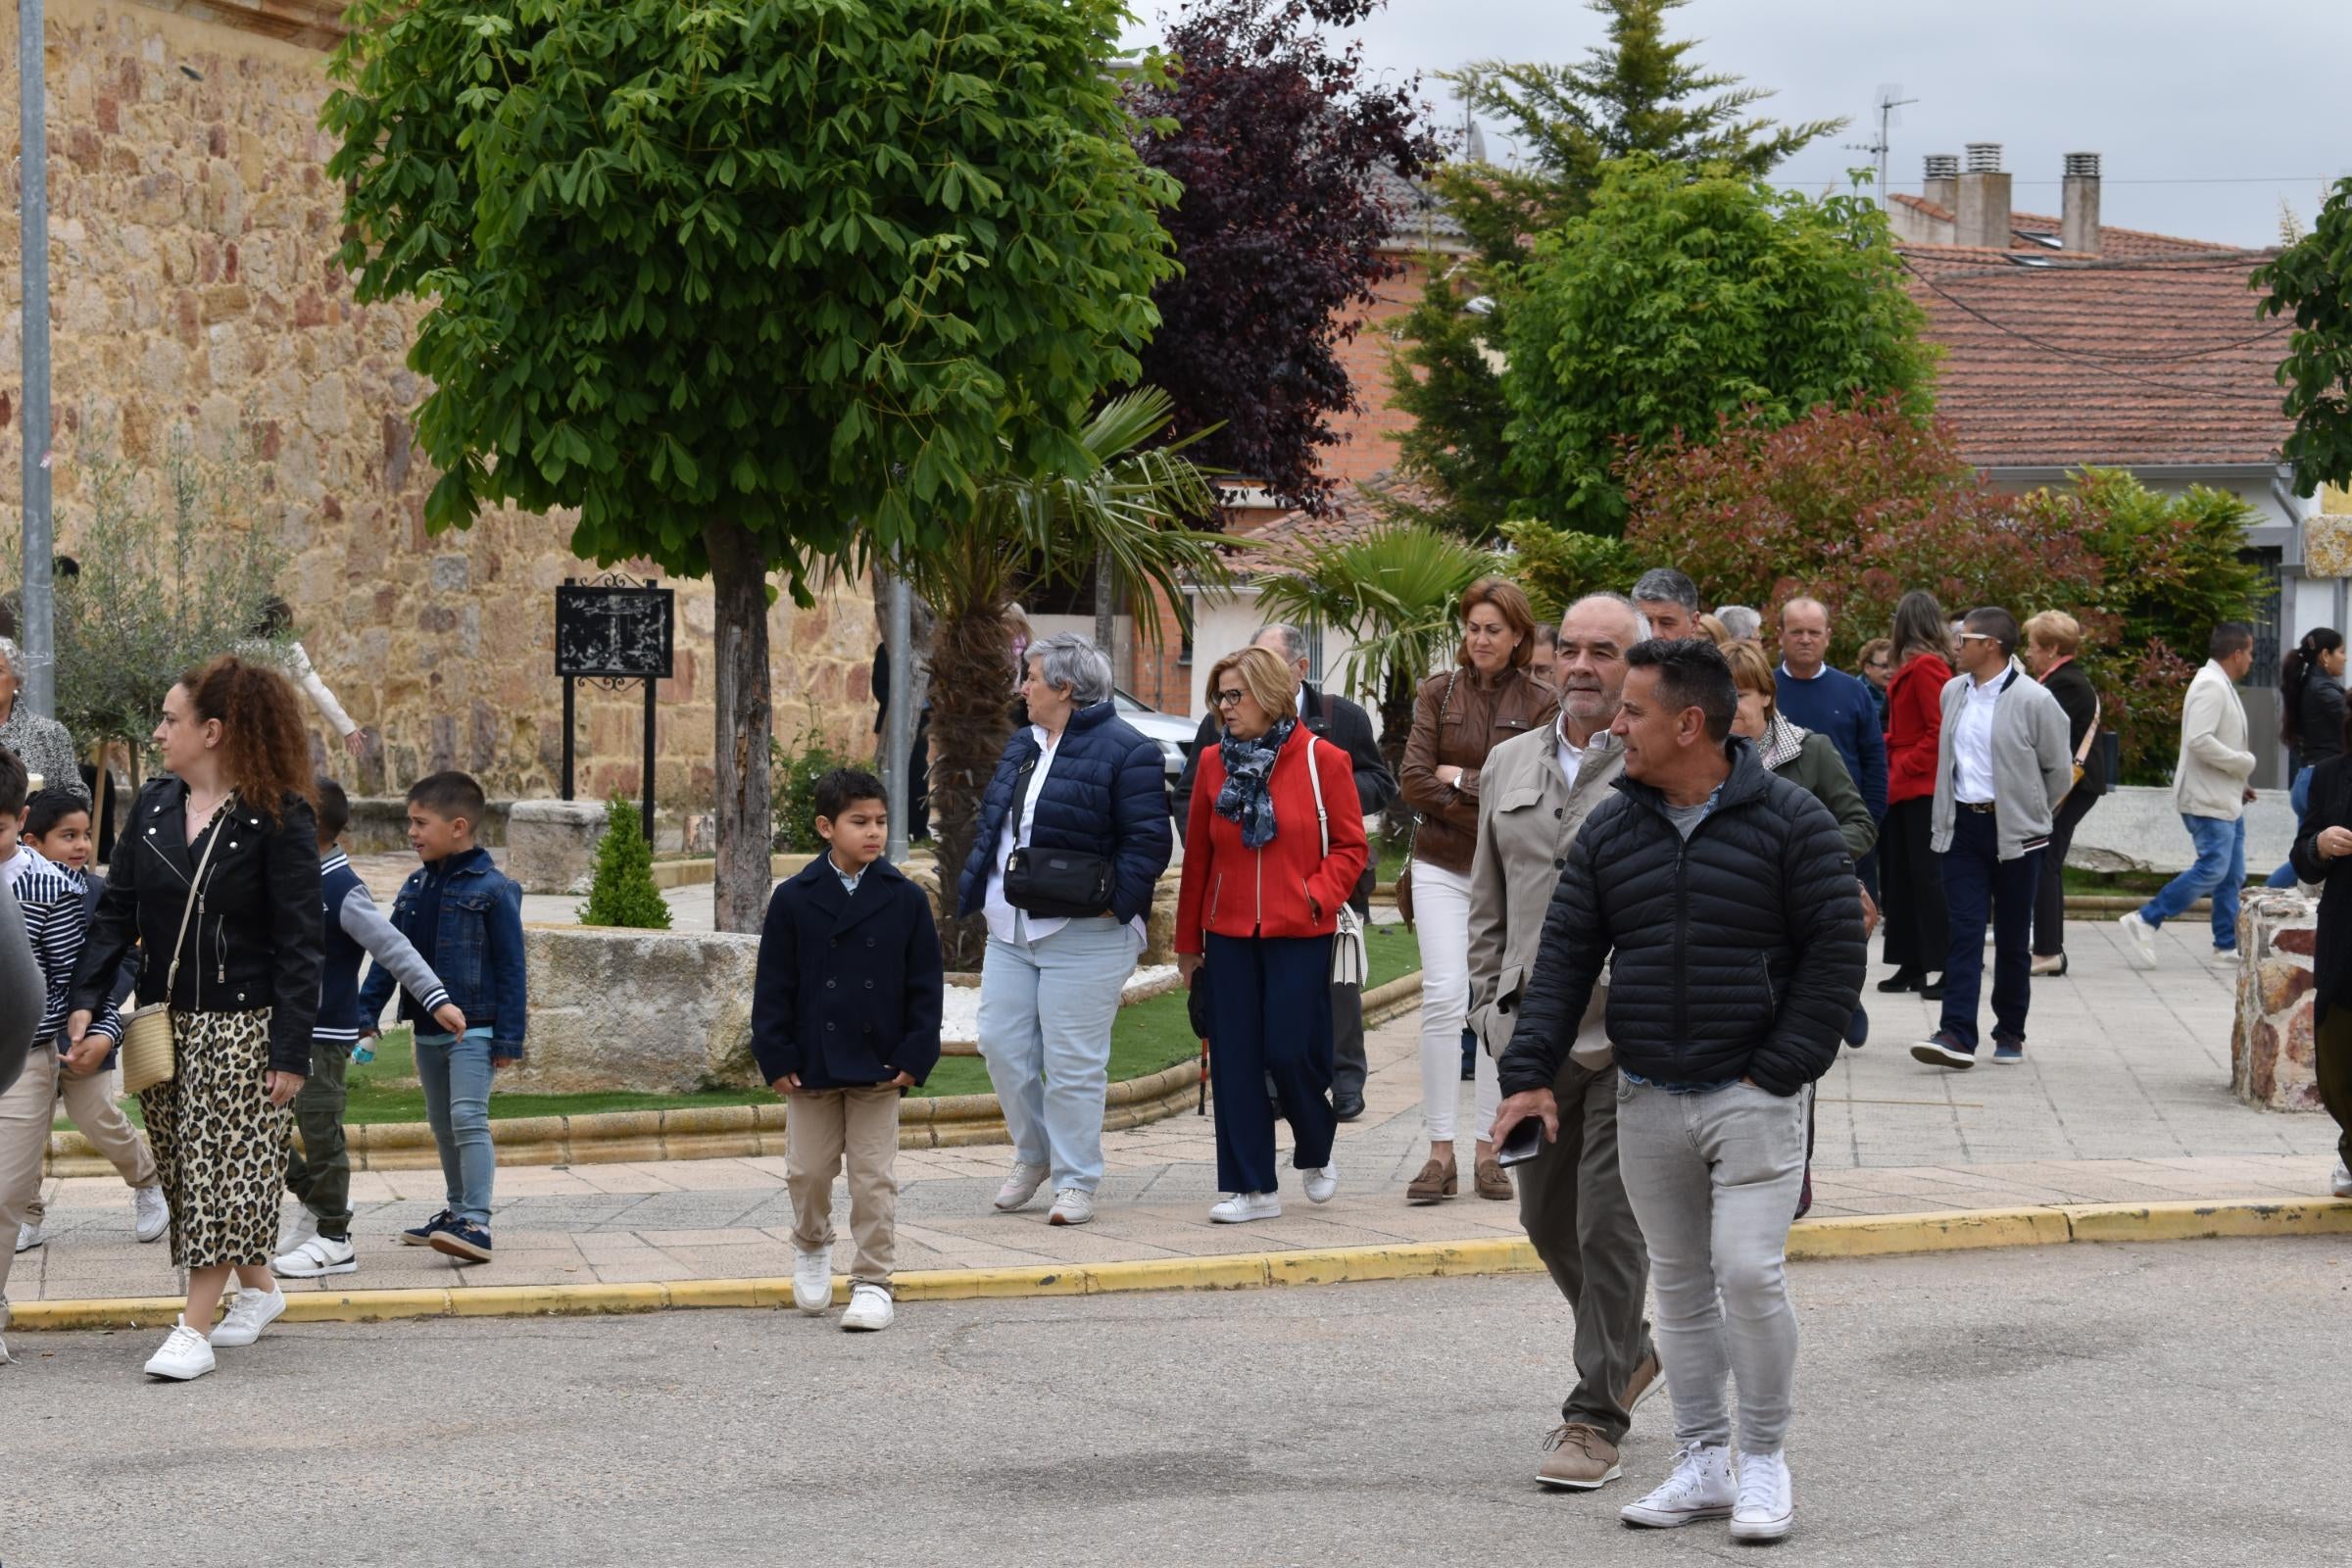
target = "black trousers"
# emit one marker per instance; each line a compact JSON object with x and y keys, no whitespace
{"x":2050,"y":898}
{"x":2332,"y":1064}
{"x":1918,"y":932}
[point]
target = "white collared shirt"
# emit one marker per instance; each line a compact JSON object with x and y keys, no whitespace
{"x":1972,"y":741}
{"x":1571,"y":755}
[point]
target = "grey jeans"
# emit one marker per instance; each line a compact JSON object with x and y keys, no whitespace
{"x":1713,"y":1179}
{"x":1573,"y":1203}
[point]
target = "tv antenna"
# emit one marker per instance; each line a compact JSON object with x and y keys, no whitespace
{"x":1890,"y":106}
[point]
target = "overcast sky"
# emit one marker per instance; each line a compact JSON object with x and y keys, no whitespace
{"x":2177,"y":95}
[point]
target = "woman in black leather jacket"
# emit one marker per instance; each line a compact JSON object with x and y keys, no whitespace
{"x":230,"y":826}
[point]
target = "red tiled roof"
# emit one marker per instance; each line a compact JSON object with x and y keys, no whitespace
{"x":1356,"y":514}
{"x":2124,"y":244}
{"x":2130,"y":363}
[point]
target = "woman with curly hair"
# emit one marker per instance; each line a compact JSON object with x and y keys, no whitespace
{"x":216,"y":877}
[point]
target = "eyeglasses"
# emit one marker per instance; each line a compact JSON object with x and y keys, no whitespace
{"x":1228,"y":697}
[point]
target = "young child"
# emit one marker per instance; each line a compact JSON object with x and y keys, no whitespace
{"x":845,"y":1019}
{"x":45,"y":870}
{"x":465,"y":915}
{"x":319,"y":1173}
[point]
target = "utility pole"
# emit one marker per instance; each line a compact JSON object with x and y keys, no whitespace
{"x":35,"y":622}
{"x":1890,"y":99}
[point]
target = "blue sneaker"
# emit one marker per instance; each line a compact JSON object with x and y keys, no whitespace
{"x":423,"y":1235}
{"x":2010,"y":1051}
{"x":464,"y":1239}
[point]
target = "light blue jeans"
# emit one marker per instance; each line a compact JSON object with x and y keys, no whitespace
{"x":455,"y":1075}
{"x":2298,"y":796}
{"x":2219,"y":869}
{"x":1046,"y":1012}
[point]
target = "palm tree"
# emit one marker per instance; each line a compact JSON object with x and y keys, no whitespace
{"x":1119,"y":511}
{"x":1394,"y":592}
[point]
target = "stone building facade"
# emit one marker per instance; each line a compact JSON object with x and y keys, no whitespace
{"x":195,"y":289}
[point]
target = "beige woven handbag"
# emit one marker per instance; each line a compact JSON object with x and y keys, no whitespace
{"x":147,"y":1055}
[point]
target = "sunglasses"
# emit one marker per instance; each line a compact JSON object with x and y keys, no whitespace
{"x":1978,"y":637}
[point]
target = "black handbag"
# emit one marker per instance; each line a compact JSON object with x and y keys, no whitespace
{"x":1059,"y":884}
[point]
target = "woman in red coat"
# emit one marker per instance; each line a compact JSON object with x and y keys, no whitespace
{"x":1268,"y":868}
{"x":1917,"y":932}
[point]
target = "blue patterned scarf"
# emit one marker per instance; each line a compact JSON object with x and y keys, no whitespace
{"x":1247,"y":797}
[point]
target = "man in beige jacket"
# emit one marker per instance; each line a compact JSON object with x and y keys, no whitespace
{"x":2209,"y":789}
{"x":1536,"y":791}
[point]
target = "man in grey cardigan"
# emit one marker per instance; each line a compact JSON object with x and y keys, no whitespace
{"x":2002,"y":765}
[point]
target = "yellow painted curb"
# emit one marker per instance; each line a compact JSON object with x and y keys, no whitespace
{"x":1865,"y":1235}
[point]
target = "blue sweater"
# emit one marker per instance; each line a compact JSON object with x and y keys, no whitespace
{"x":1844,"y":708}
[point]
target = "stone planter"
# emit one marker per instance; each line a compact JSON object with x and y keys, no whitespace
{"x":2271,"y":1043}
{"x":551,"y":845}
{"x":654,"y":1011}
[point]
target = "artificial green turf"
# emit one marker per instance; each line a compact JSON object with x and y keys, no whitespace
{"x":1147,"y":1038}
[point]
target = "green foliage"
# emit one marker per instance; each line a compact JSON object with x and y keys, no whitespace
{"x":623,"y":891}
{"x":803,"y":266}
{"x":2312,"y":278}
{"x":1677,"y":300}
{"x":1444,"y":380}
{"x":1557,"y":566}
{"x":797,"y":768}
{"x":156,"y":594}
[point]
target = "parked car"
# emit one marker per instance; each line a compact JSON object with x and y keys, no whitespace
{"x":1172,"y":735}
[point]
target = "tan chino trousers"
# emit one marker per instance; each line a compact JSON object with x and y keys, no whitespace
{"x":824,"y":1128}
{"x":26,"y":1111}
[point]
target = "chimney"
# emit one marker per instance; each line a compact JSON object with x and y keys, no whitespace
{"x":1982,"y":207}
{"x":2079,"y":212}
{"x":1942,"y":186}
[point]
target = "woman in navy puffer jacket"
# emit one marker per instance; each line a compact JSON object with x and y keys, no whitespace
{"x":1080,"y":783}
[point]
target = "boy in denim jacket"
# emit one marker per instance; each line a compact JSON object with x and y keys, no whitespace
{"x":465,"y":915}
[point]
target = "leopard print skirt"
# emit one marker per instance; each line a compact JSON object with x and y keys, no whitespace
{"x":219,"y":1145}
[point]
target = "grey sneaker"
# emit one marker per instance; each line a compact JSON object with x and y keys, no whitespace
{"x":1020,"y":1186}
{"x":1073,"y":1205}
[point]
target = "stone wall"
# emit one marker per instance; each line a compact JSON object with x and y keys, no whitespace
{"x":195,"y":290}
{"x":2271,"y":1043}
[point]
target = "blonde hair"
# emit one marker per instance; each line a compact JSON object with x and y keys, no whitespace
{"x":1265,"y":675}
{"x":1751,"y":671}
{"x":1717,"y":632}
{"x":2056,"y":629}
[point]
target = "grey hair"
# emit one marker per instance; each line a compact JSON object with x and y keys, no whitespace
{"x":1740,"y":620}
{"x":1070,"y":662}
{"x":1665,"y":585}
{"x":1293,"y":641}
{"x":1641,"y":622}
{"x":11,"y":661}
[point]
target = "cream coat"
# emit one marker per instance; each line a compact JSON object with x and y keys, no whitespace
{"x":2210,"y":778}
{"x":1527,"y":817}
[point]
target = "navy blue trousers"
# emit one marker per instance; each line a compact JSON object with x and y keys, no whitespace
{"x":1976,"y":882}
{"x":1270,"y":1018}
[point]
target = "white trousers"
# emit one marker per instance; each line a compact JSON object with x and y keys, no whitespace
{"x":1441,"y":917}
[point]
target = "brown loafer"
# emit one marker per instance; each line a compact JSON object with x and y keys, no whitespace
{"x":1580,"y":1460}
{"x":1492,"y":1183}
{"x":1435,"y":1181}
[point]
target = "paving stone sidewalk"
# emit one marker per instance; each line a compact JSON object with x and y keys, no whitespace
{"x":2123,"y":1096}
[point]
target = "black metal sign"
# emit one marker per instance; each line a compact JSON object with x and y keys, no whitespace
{"x":614,"y":633}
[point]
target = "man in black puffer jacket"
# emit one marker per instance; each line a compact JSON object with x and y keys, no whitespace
{"x":1724,"y":901}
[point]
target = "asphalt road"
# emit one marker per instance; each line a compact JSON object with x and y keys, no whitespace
{"x":2150,"y":1405}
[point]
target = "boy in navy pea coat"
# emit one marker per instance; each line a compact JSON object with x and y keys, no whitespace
{"x":845,"y":1019}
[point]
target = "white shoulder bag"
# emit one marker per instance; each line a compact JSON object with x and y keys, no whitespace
{"x":1348,"y":957}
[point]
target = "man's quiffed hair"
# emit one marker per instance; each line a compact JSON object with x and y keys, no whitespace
{"x":334,"y":810}
{"x":2229,"y":637}
{"x":14,"y":782}
{"x":450,"y":795}
{"x":1691,"y":673}
{"x":842,"y":788}
{"x":1663,"y":585}
{"x":1992,"y":621}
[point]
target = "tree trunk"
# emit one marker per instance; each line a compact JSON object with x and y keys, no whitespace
{"x":972,"y":718}
{"x":747,"y":818}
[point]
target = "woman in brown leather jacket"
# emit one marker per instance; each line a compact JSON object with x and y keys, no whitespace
{"x":1487,"y":698}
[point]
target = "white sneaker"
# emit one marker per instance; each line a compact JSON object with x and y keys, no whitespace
{"x":1766,"y":1502}
{"x":30,"y":1236}
{"x":1073,"y":1205}
{"x":2226,"y":957}
{"x":185,"y":1355}
{"x":1240,"y":1208}
{"x":300,"y":1229}
{"x":1323,"y":1185}
{"x":250,"y":1313}
{"x":812,"y":1281}
{"x":869,"y":1309}
{"x":1700,"y":1487}
{"x":1021,"y":1186}
{"x":316,"y":1258}
{"x":2139,"y":939}
{"x":150,"y":1213}
{"x":2340,"y":1182}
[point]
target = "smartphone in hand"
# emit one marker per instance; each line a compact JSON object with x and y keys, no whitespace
{"x":1524,"y":1143}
